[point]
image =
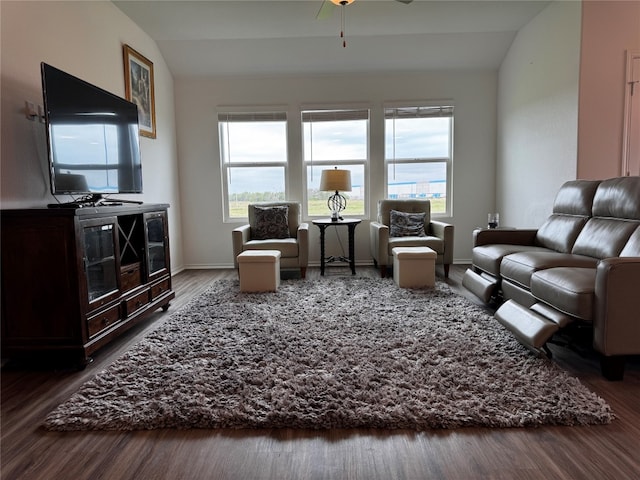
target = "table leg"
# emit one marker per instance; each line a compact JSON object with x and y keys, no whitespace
{"x":322,"y":229}
{"x":352,"y":257}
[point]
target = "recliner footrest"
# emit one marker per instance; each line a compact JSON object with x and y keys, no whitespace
{"x":480,"y":286}
{"x":529,"y":327}
{"x":559,"y":318}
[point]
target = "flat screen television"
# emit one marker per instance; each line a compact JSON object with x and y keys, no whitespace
{"x":92,"y":138}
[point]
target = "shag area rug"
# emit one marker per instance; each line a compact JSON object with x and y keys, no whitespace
{"x":338,"y":352}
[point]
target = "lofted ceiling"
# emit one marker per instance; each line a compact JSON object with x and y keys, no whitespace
{"x":263,"y":37}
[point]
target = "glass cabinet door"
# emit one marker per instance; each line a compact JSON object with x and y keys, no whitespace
{"x":100,"y":265}
{"x":157,"y":243}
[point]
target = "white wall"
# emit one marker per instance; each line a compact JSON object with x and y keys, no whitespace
{"x":208,"y":242}
{"x":84,"y":39}
{"x":538,"y":115}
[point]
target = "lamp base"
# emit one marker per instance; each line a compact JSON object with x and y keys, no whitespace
{"x":336,"y":204}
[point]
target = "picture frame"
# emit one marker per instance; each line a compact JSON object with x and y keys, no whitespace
{"x":139,"y":89}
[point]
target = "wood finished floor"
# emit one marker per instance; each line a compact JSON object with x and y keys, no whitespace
{"x":28,"y":452}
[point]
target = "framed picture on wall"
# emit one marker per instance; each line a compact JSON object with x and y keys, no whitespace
{"x":138,"y":76}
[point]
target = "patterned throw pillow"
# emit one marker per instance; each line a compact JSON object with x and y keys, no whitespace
{"x":271,"y":222}
{"x":404,"y":224}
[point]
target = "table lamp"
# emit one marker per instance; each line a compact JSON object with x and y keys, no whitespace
{"x":335,"y":181}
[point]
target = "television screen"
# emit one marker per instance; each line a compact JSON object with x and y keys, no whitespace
{"x":92,"y":137}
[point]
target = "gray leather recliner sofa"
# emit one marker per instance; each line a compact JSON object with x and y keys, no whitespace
{"x":581,"y":265}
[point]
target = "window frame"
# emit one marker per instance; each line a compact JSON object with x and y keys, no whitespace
{"x":336,"y":111}
{"x":277,"y":113}
{"x":447,"y":109}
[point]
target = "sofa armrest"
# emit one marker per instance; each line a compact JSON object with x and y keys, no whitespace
{"x":485,"y":236}
{"x":616,"y":323}
{"x":445,"y":232}
{"x":239,"y":236}
{"x":379,"y":242}
{"x":303,"y":245}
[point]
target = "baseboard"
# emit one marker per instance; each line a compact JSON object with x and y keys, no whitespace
{"x":226,"y":266}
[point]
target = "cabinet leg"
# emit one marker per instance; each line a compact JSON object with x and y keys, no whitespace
{"x":84,"y":362}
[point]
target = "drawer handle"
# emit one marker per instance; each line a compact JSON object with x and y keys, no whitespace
{"x":105,"y":321}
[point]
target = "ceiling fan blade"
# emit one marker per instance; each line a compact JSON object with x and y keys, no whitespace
{"x":326,"y":10}
{"x":406,"y":2}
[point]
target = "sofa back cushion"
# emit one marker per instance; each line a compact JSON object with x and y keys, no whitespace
{"x":559,"y":232}
{"x":632,"y":248}
{"x":571,"y":210}
{"x":406,"y":206}
{"x":575,"y":197}
{"x":604,"y":237}
{"x":615,"y":216}
{"x":618,"y":198}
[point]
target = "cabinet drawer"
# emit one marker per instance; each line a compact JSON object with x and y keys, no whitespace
{"x":130,"y":276}
{"x":102,"y":320}
{"x":159,"y":288}
{"x":136,"y":302}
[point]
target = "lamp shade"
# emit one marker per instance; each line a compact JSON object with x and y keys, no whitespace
{"x":335,"y":180}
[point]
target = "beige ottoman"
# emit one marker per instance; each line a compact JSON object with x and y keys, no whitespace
{"x":414,"y":267}
{"x":259,"y":270}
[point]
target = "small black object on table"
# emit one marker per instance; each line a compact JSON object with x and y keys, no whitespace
{"x":351,"y":224}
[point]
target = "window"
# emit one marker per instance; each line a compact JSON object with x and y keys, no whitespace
{"x":418,"y":154}
{"x":253,"y":152}
{"x":336,"y":138}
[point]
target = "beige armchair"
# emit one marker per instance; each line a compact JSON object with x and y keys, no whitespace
{"x":292,"y":244}
{"x":438,"y":235}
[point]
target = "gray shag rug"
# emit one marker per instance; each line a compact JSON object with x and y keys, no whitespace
{"x":338,"y":352}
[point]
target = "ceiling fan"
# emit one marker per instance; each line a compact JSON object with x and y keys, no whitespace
{"x":326,"y":9}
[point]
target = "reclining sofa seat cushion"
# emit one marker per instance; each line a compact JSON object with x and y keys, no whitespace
{"x":572,"y":290}
{"x":489,"y":257}
{"x":571,"y":210}
{"x":568,"y":289}
{"x":518,"y":268}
